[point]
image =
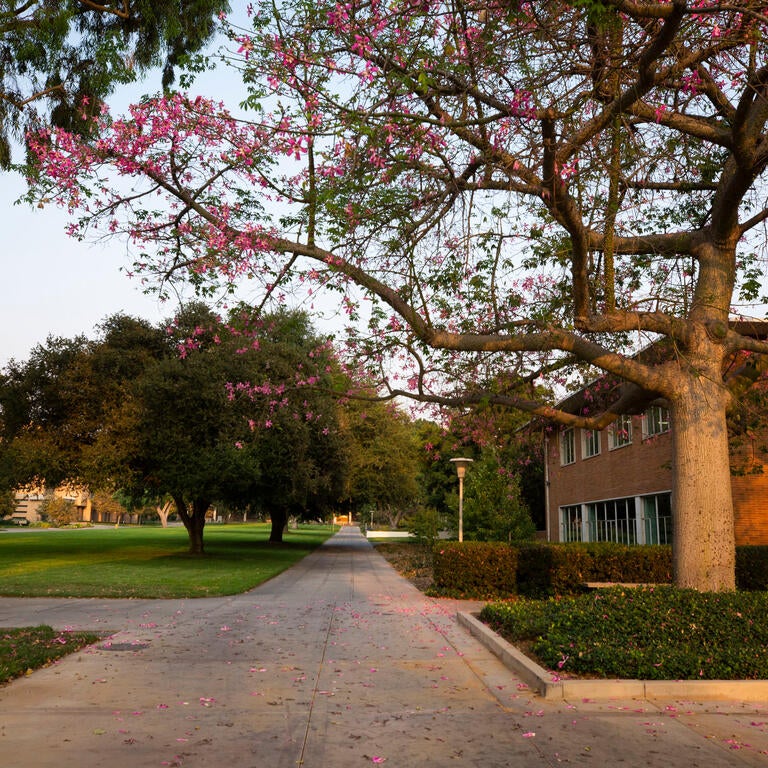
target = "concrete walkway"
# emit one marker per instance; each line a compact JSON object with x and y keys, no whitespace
{"x":337,"y":662}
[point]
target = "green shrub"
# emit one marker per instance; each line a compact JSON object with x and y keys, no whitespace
{"x":549,"y":570}
{"x":425,"y":525}
{"x":58,"y":511}
{"x":476,"y":569}
{"x":552,"y":569}
{"x":645,"y":633}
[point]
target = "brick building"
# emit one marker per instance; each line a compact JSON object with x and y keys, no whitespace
{"x":616,"y":485}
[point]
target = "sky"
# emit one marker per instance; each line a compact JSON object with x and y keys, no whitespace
{"x":55,"y":285}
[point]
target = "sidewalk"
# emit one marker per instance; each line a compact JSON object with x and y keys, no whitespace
{"x":337,"y":662}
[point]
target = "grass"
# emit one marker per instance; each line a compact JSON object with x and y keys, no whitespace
{"x":27,"y":648}
{"x":147,"y":562}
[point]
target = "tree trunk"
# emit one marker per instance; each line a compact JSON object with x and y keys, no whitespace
{"x":279,"y":520}
{"x":163,"y":512}
{"x":194,"y":522}
{"x":704,"y":547}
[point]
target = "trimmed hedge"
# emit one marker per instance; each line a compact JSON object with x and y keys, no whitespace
{"x":493,"y":569}
{"x":561,"y":569}
{"x":475,"y":568}
{"x":648,"y":633}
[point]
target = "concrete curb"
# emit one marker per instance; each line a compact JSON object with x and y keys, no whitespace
{"x":550,"y":687}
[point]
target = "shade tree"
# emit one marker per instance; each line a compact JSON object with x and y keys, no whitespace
{"x":382,"y":469}
{"x":289,"y":392}
{"x":198,"y":410}
{"x":538,"y":188}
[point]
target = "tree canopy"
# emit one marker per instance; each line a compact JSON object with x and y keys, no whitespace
{"x":61,"y":58}
{"x":531,"y":187}
{"x":203,"y":411}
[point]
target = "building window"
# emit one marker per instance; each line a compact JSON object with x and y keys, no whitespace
{"x":620,"y":433}
{"x":567,"y":447}
{"x":655,"y":421}
{"x":590,"y":443}
{"x":657,"y":518}
{"x":612,"y":520}
{"x":570,"y":523}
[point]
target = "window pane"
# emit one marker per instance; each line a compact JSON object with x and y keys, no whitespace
{"x":591,"y":443}
{"x":612,"y":520}
{"x":657,"y":514}
{"x":567,"y":447}
{"x":570,"y":523}
{"x":620,"y":433}
{"x":656,"y":420}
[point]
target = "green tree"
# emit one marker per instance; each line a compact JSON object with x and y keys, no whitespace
{"x":7,"y":504}
{"x":437,"y":476}
{"x":186,"y":427}
{"x":296,"y":437}
{"x":63,"y":409}
{"x":108,"y":507}
{"x":383,"y":460}
{"x":58,"y":511}
{"x":36,"y":442}
{"x":493,"y":507}
{"x":56,"y":53}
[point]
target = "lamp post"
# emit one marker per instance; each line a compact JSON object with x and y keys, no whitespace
{"x":461,"y":470}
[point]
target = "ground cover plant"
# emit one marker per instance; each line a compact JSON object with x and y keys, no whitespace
{"x":27,"y":648}
{"x":146,"y":562}
{"x":645,"y":633}
{"x":648,"y":633}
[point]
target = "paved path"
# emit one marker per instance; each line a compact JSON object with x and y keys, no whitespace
{"x":337,"y":662}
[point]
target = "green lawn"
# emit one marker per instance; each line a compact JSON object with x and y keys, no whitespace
{"x":27,"y":648}
{"x":146,"y":562}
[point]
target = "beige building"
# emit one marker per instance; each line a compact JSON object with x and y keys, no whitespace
{"x":29,"y":500}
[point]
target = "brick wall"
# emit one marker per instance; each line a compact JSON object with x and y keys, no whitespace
{"x":644,"y":467}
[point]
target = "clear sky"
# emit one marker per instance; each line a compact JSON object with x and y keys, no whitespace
{"x":54,"y":284}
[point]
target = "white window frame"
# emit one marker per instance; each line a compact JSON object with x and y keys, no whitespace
{"x":571,"y":523}
{"x":590,"y":443}
{"x":567,"y":447}
{"x":656,"y":421}
{"x":620,"y":433}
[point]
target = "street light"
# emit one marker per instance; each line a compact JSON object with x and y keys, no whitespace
{"x":461,"y":470}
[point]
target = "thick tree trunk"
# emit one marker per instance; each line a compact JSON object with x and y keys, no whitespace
{"x":279,"y":520}
{"x":704,"y":540}
{"x":194,"y":522}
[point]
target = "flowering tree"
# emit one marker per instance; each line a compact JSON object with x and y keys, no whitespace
{"x":56,"y":53}
{"x":515,"y":186}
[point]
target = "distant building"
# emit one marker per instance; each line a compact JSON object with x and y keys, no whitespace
{"x":29,"y":501}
